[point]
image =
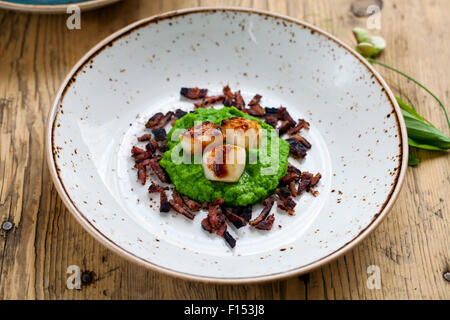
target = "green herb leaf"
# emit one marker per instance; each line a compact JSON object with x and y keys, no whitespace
{"x":421,"y":133}
{"x":413,"y":161}
{"x":368,"y":46}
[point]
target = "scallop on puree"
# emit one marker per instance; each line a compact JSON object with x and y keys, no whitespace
{"x":210,"y":158}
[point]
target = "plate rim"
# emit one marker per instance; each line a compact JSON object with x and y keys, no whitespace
{"x":53,"y":8}
{"x":99,"y":236}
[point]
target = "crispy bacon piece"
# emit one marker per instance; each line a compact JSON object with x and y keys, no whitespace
{"x":235,"y":219}
{"x":297,"y":149}
{"x":143,"y":156}
{"x":268,"y":204}
{"x":290,"y":176}
{"x":285,"y":202}
{"x":206,"y":225}
{"x":145,"y":137}
{"x":300,"y":125}
{"x":143,"y":164}
{"x":221,"y":230}
{"x":142,"y":175}
{"x":164,"y":120}
{"x":284,"y":115}
{"x":156,"y":168}
{"x":293,"y":169}
{"x":218,"y":202}
{"x":244,"y":212}
{"x":303,"y":141}
{"x":256,"y":111}
{"x":179,"y":206}
{"x":229,"y":239}
{"x":180,"y":113}
{"x":285,"y":126}
{"x":271,"y":119}
{"x":293,"y":189}
{"x":238,"y":101}
{"x":194,"y":93}
{"x":309,"y":181}
{"x":272,"y":110}
{"x":181,"y":210}
{"x":255,"y":101}
{"x":164,"y":202}
{"x":160,"y":134}
{"x":267,"y":223}
{"x":191,"y":204}
{"x":154,"y":120}
{"x":228,"y":96}
{"x":136,"y":151}
{"x":209,"y":101}
{"x":152,"y":146}
{"x":215,"y":216}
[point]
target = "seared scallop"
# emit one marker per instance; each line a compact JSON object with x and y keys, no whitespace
{"x":196,"y":139}
{"x":242,"y":132}
{"x":225,"y":163}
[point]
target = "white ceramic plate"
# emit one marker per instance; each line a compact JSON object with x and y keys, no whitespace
{"x":359,"y":140}
{"x":52,"y":6}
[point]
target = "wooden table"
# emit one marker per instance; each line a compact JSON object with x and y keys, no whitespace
{"x":411,"y":247}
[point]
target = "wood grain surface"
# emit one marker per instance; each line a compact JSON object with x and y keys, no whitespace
{"x":411,"y":247}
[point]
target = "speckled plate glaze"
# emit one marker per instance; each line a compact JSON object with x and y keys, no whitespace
{"x":52,"y":6}
{"x":358,"y":136}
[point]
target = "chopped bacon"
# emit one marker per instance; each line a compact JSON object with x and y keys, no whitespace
{"x":255,"y":110}
{"x":300,"y":125}
{"x":235,"y":219}
{"x":164,"y":120}
{"x":285,"y":126}
{"x":297,"y":149}
{"x":174,"y":119}
{"x":272,"y":111}
{"x":271,"y":119}
{"x":154,"y":120}
{"x":207,"y":101}
{"x":290,"y":176}
{"x":285,"y":203}
{"x":152,"y":146}
{"x":215,"y":216}
{"x":145,"y":137}
{"x":284,"y":115}
{"x":293,"y":189}
{"x":255,"y":101}
{"x":218,"y":202}
{"x":143,"y":164}
{"x":309,"y":181}
{"x":194,"y":93}
{"x":191,"y":204}
{"x":136,"y":151}
{"x":229,"y":239}
{"x":180,"y":113}
{"x":206,"y":225}
{"x":160,"y":134}
{"x":142,"y":175}
{"x":156,"y":168}
{"x":221,"y":230}
{"x":292,"y":169}
{"x":228,"y":96}
{"x":238,"y":101}
{"x":164,"y":202}
{"x":244,"y":212}
{"x":143,"y":156}
{"x":267,"y":223}
{"x":181,"y":210}
{"x":268,"y":204}
{"x":303,"y":141}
